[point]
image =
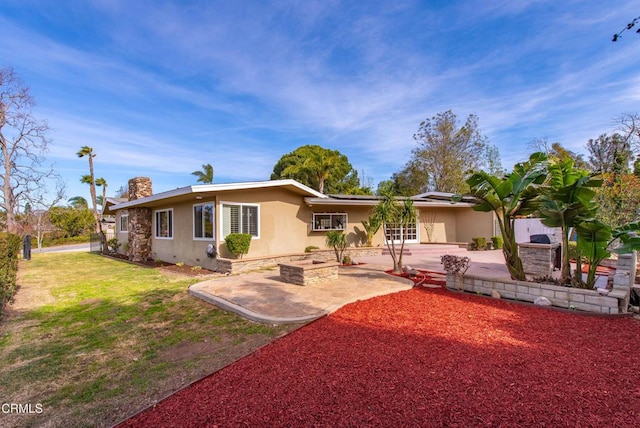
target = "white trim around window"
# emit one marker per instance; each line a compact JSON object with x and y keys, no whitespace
{"x":329,"y":221}
{"x":204,"y":223}
{"x":163,"y":224}
{"x":124,"y":223}
{"x":240,"y":218}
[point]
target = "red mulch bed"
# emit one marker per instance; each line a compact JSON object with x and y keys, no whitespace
{"x":426,"y":357}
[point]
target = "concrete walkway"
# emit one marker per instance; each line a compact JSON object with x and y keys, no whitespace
{"x":262,"y":297}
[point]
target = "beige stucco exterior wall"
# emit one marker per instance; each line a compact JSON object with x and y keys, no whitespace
{"x":472,"y":224}
{"x":122,"y":237}
{"x":285,"y":226}
{"x":282,"y":227}
{"x":458,"y":224}
{"x":444,"y":224}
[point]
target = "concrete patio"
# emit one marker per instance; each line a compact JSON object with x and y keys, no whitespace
{"x":263,"y":297}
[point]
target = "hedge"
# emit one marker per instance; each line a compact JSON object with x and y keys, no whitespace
{"x":9,"y":249}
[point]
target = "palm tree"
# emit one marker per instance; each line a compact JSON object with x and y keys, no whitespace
{"x":90,"y":180}
{"x":78,"y":202}
{"x":395,"y":213}
{"x":206,"y":175}
{"x":101,"y":182}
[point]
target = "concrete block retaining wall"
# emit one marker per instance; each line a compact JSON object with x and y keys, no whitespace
{"x":564,"y":297}
{"x":615,"y":302}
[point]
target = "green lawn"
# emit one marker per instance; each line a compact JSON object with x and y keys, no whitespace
{"x":94,"y":340}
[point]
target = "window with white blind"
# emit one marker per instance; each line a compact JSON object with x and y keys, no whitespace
{"x":241,"y":218}
{"x":203,"y":215}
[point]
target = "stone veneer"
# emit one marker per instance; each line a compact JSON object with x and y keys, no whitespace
{"x":140,"y":221}
{"x":615,"y":302}
{"x":247,"y":264}
{"x":354,"y":253}
{"x":538,"y":259}
{"x":309,"y":272}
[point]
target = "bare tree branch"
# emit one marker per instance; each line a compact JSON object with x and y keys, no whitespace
{"x":23,"y":145}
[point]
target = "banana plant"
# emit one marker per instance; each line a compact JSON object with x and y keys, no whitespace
{"x":594,"y":240}
{"x":566,"y":201}
{"x":515,"y":194}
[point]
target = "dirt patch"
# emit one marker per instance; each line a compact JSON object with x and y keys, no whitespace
{"x":189,"y":270}
{"x":182,"y":269}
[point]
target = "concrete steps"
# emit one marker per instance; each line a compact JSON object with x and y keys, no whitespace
{"x":427,"y":250}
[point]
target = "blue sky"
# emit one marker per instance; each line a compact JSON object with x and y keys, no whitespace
{"x":158,"y":88}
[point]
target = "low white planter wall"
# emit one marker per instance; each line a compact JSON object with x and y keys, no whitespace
{"x":563,"y":297}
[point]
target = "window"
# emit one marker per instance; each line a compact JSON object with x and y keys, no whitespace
{"x":394,"y":232}
{"x":241,"y":218}
{"x":164,"y":224}
{"x":329,"y":221}
{"x":203,"y":221}
{"x":124,"y":223}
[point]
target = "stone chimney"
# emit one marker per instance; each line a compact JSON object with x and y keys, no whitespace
{"x":140,"y":221}
{"x":139,"y":187}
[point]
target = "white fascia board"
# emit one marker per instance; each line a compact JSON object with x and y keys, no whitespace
{"x":331,"y":201}
{"x":157,"y":197}
{"x":371,"y":203}
{"x":257,"y":185}
{"x":210,"y":188}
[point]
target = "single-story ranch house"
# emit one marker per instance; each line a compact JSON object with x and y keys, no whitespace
{"x":283,"y":216}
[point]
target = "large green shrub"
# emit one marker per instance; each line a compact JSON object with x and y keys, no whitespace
{"x":238,"y":243}
{"x":497,"y":242}
{"x":9,"y":250}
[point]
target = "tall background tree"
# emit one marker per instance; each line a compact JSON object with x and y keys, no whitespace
{"x":23,"y":143}
{"x":412,"y":179}
{"x":86,"y":151}
{"x":557,"y":152}
{"x":325,"y":170}
{"x":206,"y":175}
{"x":101,"y":182}
{"x":446,"y":154}
{"x":610,"y":154}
